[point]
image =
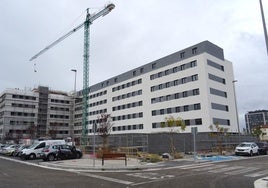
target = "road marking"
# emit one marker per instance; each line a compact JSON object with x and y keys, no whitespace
{"x":151,"y":175}
{"x":106,"y":178}
{"x":242,"y":171}
{"x":259,"y":173}
{"x":225,"y":169}
{"x":210,"y":168}
{"x":5,"y":174}
{"x":186,"y":167}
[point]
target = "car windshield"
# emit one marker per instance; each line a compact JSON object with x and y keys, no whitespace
{"x":33,"y":146}
{"x":244,"y":145}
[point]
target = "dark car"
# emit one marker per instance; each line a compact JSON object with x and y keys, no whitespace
{"x":263,"y":147}
{"x":63,"y":151}
{"x":69,"y":152}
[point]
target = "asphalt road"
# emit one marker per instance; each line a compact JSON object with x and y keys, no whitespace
{"x":232,"y":174}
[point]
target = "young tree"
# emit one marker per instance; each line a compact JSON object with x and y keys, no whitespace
{"x":257,"y":131}
{"x":218,"y":132}
{"x":104,"y":129}
{"x":175,"y":125}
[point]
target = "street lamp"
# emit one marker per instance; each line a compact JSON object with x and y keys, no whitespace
{"x":264,"y":26}
{"x":74,"y":95}
{"x":74,"y":70}
{"x":238,"y":127}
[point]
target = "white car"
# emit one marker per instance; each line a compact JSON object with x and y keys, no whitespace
{"x":247,"y":148}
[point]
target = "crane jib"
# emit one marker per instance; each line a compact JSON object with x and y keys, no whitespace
{"x":91,"y":18}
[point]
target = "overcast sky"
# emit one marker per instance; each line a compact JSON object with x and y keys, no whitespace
{"x":135,"y":33}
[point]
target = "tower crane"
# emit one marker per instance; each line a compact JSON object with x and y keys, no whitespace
{"x":89,"y":20}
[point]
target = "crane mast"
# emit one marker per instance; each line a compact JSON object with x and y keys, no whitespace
{"x":89,"y":20}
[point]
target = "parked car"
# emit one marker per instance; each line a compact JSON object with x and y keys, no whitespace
{"x":62,"y":151}
{"x":18,"y":150}
{"x":9,"y":150}
{"x":247,"y":148}
{"x":263,"y":147}
{"x":69,"y":152}
{"x":34,"y":151}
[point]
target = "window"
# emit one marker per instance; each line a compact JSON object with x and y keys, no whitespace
{"x":153,"y":100}
{"x":160,"y":86}
{"x":141,"y":70}
{"x":175,"y":69}
{"x":182,"y":54}
{"x":177,"y":95}
{"x":167,"y":85}
{"x":169,"y":111}
{"x":194,"y":50}
{"x":193,"y":63}
{"x":187,"y":122}
{"x":198,"y":121}
{"x":184,"y":94}
{"x":152,"y":77}
{"x":196,"y":92}
{"x":185,"y":108}
{"x":134,"y":73}
{"x":115,"y":80}
{"x":197,"y":106}
{"x":194,"y":77}
{"x":161,"y":99}
{"x":183,"y":67}
{"x":166,"y":72}
{"x":152,"y":88}
{"x":153,"y":65}
{"x":168,"y":97}
{"x":154,"y":113}
{"x":177,"y":109}
{"x":159,"y":74}
{"x":184,"y":80}
{"x":176,"y":82}
{"x":162,"y":111}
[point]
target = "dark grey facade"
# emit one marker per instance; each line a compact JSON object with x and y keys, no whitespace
{"x":255,"y":119}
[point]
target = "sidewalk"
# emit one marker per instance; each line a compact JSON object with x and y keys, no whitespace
{"x":87,"y":164}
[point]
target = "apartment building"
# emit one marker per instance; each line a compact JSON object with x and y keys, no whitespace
{"x":35,"y":113}
{"x":256,"y":118}
{"x":195,"y":84}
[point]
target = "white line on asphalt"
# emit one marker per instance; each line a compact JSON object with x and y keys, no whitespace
{"x":106,"y":178}
{"x":242,"y":171}
{"x":194,"y":166}
{"x":225,"y":169}
{"x":210,"y":168}
{"x":259,"y":173}
{"x":5,"y":174}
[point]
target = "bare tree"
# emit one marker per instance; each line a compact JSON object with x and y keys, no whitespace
{"x":104,"y":129}
{"x":173,"y":124}
{"x":218,"y":132}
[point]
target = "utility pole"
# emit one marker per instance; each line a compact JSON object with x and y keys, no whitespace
{"x":264,"y":26}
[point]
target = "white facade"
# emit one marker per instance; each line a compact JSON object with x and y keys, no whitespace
{"x":195,"y":84}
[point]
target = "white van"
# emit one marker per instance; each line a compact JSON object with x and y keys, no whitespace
{"x":34,"y":150}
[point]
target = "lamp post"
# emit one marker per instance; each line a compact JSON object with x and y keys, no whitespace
{"x":264,"y":26}
{"x":238,"y":127}
{"x":74,"y":95}
{"x":74,"y":70}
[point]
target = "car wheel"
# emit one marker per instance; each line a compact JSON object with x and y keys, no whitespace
{"x":251,"y":153}
{"x":78,"y":155}
{"x":32,"y":156}
{"x":51,"y":157}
